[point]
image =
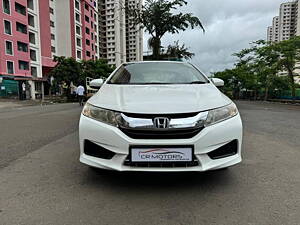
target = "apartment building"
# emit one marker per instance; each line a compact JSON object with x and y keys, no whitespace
{"x":75,"y":29}
{"x":275,"y":29}
{"x":270,"y":34}
{"x":287,"y":20}
{"x":34,"y":31}
{"x":287,"y":24}
{"x":120,"y":41}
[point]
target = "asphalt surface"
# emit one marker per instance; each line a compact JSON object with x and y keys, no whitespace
{"x":42,"y":182}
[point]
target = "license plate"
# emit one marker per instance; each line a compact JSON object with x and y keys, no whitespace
{"x":161,"y":154}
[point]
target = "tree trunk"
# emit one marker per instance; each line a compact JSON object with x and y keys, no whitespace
{"x":291,"y":76}
{"x":156,"y":48}
{"x":266,"y":93}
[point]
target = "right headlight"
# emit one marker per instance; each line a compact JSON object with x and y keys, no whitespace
{"x":218,"y":115}
{"x":102,"y":115}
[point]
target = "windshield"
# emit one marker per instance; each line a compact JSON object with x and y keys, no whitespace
{"x":158,"y":73}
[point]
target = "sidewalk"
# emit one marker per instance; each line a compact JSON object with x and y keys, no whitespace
{"x":14,"y":103}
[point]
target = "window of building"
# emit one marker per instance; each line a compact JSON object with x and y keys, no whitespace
{"x":10,"y":67}
{"x":22,"y":47}
{"x":32,"y":38}
{"x":77,"y":16}
{"x":78,"y":30}
{"x":87,"y":41}
{"x":53,"y":50}
{"x":31,"y":20}
{"x":52,"y":23}
{"x":86,"y":6}
{"x":52,"y":37}
{"x":20,"y":8}
{"x":6,"y":6}
{"x":77,"y":5}
{"x":87,"y":30}
{"x":32,"y":55}
{"x":87,"y":19}
{"x":21,"y":28}
{"x":33,"y":71}
{"x":9,"y":48}
{"x":78,"y":42}
{"x":51,"y":10}
{"x":79,"y":54}
{"x":30,"y":4}
{"x":7,"y":27}
{"x":92,"y":47}
{"x":92,"y":36}
{"x":23,"y":65}
{"x":88,"y":54}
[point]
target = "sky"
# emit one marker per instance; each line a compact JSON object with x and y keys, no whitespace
{"x":230,"y":26}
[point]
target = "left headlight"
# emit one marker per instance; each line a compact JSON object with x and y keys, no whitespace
{"x":218,"y":115}
{"x":102,"y":115}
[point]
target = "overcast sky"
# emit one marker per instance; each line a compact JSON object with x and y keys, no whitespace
{"x":230,"y":26}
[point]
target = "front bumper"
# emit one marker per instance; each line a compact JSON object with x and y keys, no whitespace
{"x":208,"y":140}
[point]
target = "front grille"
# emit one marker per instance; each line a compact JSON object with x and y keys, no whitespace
{"x":193,"y":163}
{"x":162,"y":134}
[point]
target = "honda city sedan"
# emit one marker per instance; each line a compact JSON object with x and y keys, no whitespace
{"x":159,"y":117}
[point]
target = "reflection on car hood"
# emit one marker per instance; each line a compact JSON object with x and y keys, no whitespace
{"x":159,"y":99}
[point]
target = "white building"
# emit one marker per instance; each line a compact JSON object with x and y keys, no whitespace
{"x":119,"y":41}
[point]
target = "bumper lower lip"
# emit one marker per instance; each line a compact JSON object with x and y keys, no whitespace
{"x":113,"y":139}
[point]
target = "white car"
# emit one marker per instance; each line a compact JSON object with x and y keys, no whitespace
{"x":159,"y":116}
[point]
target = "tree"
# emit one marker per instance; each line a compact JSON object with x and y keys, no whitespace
{"x":178,"y":52}
{"x":66,"y":71}
{"x":288,"y":56}
{"x":158,"y":18}
{"x":95,"y":69}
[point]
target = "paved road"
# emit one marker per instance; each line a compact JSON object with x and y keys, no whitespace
{"x":41,"y":181}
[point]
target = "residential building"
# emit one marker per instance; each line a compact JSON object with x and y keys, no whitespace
{"x":120,"y":40}
{"x":287,"y":24}
{"x":287,"y":20}
{"x":275,"y":29}
{"x":270,"y":34}
{"x":76,"y":29}
{"x":32,"y":32}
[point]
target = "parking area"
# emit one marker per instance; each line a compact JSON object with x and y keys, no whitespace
{"x":42,"y":182}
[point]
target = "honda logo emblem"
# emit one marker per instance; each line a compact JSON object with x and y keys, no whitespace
{"x":161,"y":122}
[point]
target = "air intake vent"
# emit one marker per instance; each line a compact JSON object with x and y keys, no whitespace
{"x":95,"y":150}
{"x":227,"y":150}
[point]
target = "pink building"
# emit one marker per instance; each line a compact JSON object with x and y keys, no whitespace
{"x":14,"y":45}
{"x":33,"y":31}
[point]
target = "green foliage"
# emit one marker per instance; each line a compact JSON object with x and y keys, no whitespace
{"x":179,"y":52}
{"x":95,"y":69}
{"x":68,"y":70}
{"x":258,"y":67}
{"x":158,"y":17}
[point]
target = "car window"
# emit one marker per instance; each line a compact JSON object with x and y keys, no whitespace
{"x":157,"y":73}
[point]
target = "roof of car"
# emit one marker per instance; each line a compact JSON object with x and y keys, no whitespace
{"x":140,"y":62}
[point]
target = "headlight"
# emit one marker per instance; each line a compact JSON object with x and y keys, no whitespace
{"x":102,"y":115}
{"x":221,"y":114}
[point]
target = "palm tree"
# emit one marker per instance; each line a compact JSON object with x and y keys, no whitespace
{"x":158,"y":18}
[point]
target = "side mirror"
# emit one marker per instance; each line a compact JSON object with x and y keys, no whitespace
{"x":218,"y":82}
{"x":96,"y":84}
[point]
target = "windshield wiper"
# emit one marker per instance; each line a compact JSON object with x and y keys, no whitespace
{"x":198,"y":82}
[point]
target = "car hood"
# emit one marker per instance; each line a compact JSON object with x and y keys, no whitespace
{"x":159,"y":99}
